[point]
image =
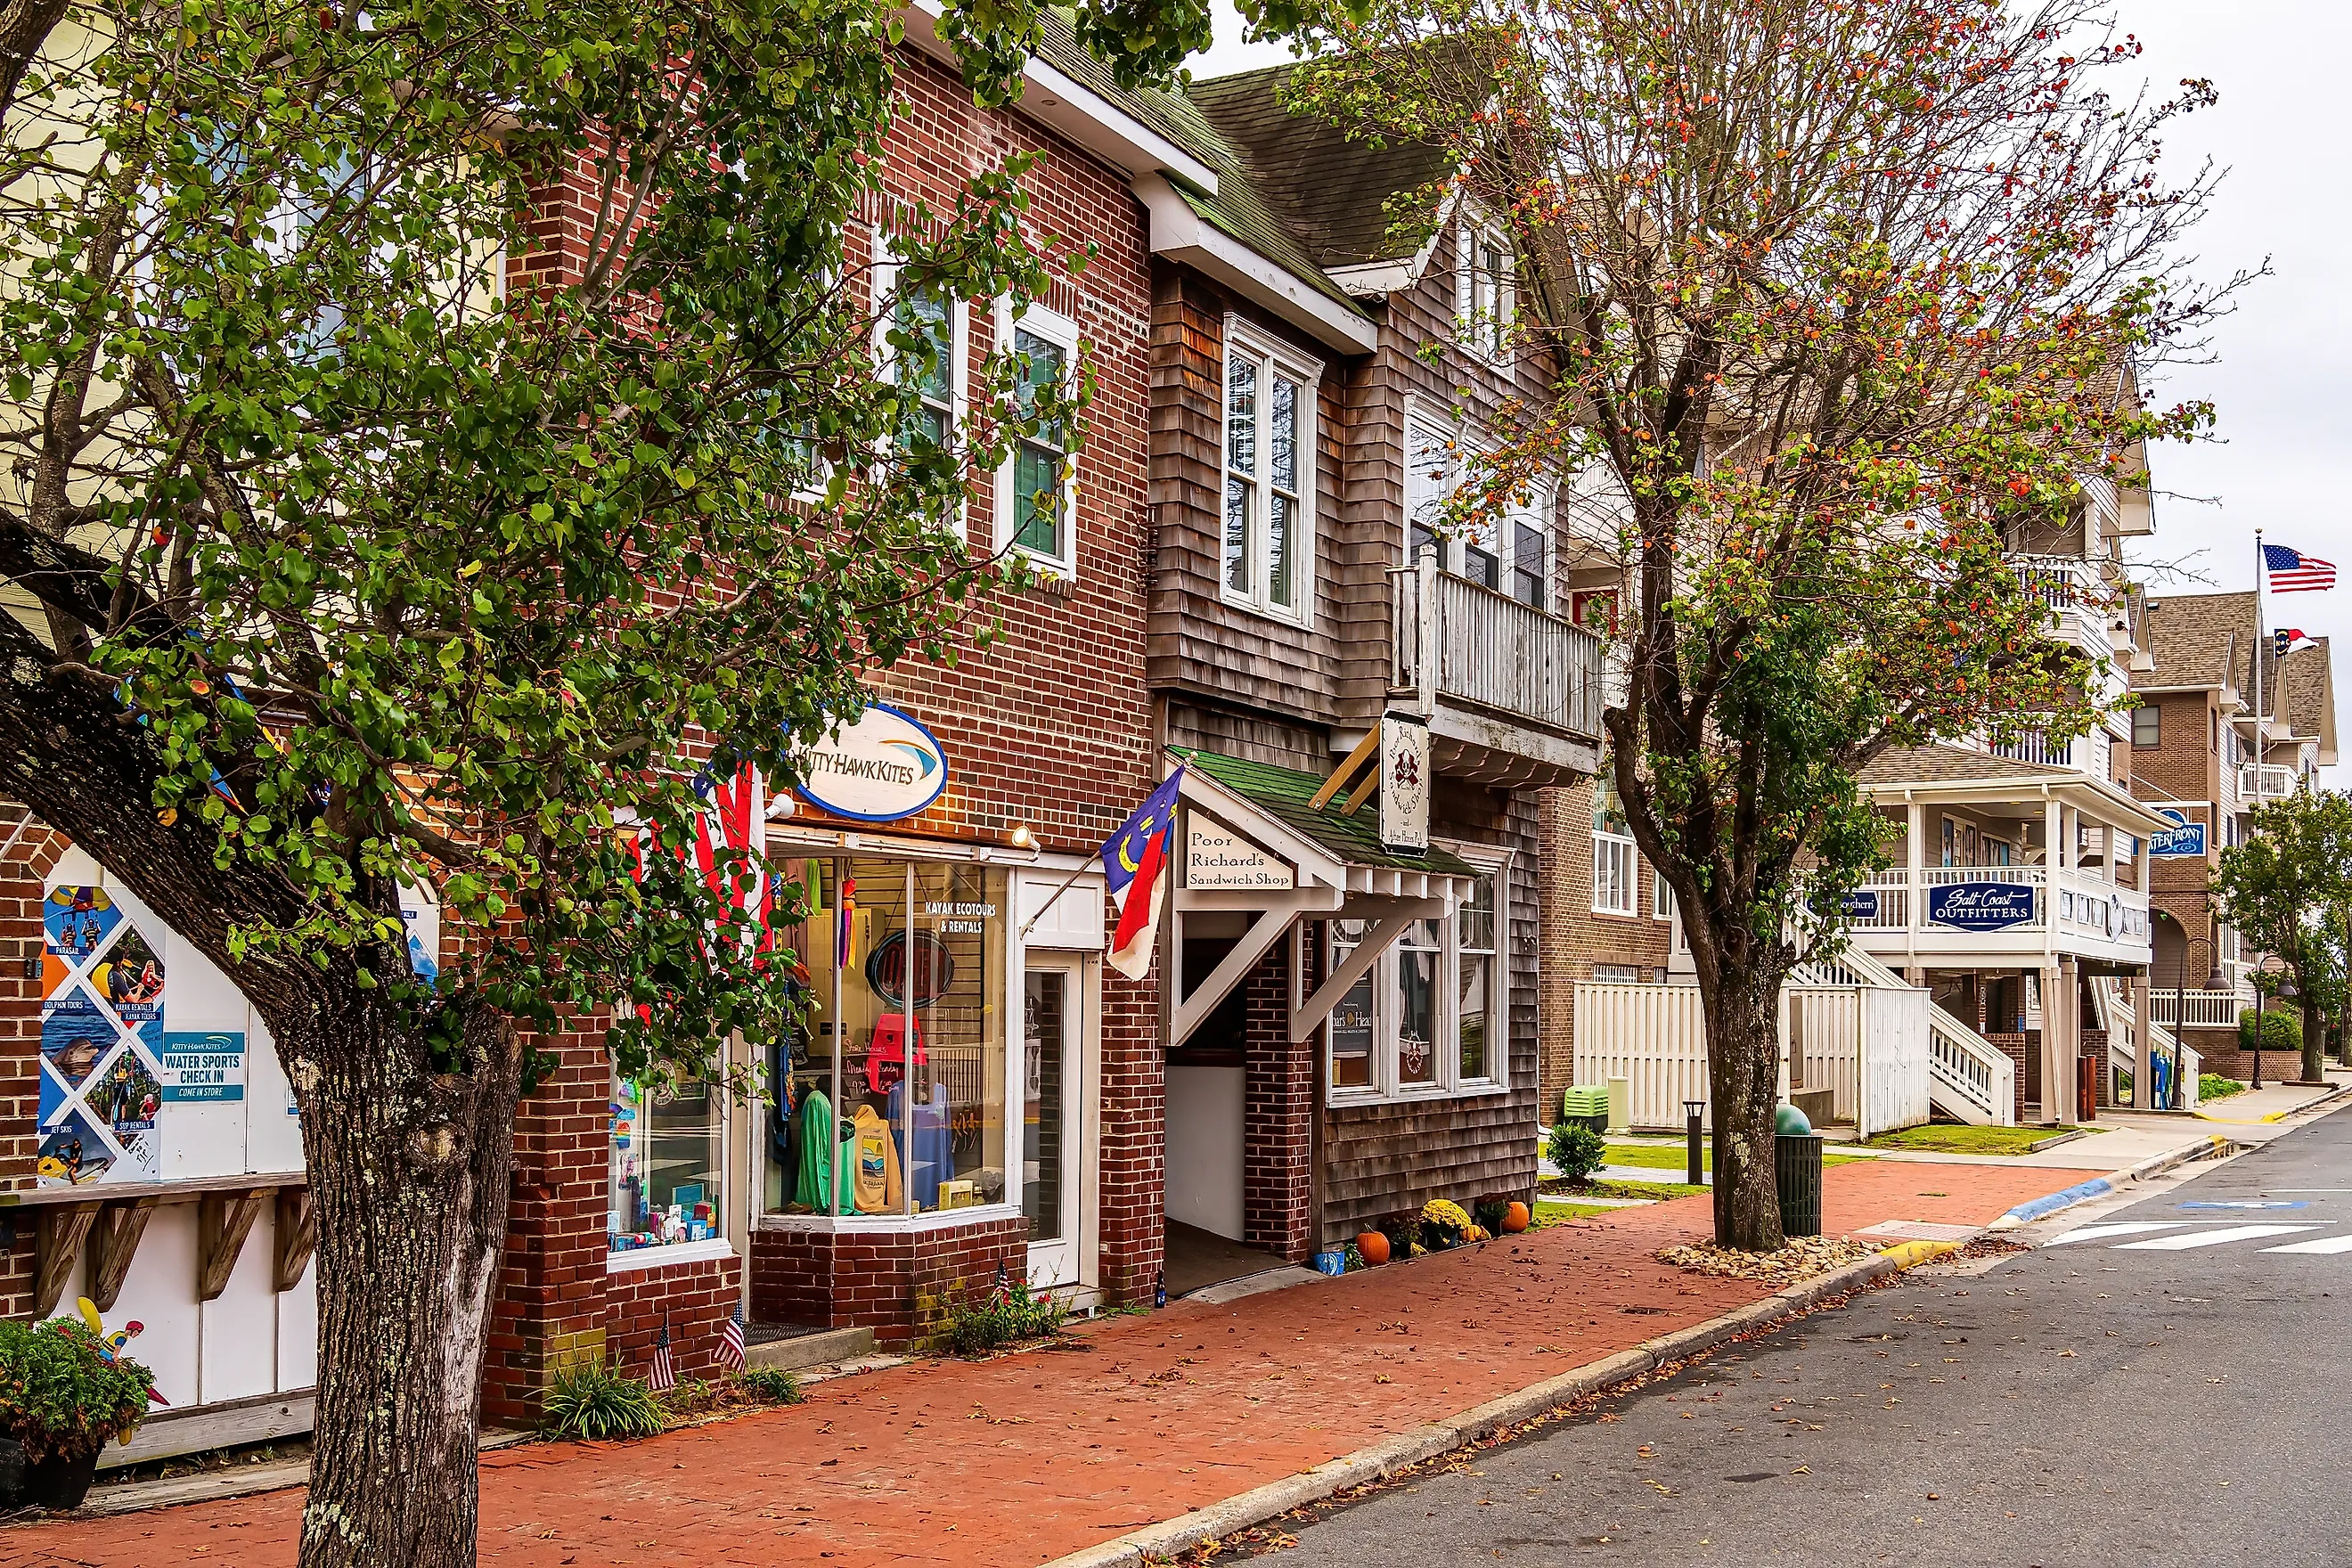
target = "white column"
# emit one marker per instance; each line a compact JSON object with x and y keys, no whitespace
{"x":1915,"y":894}
{"x":2143,"y":1052}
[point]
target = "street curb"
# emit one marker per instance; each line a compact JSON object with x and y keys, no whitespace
{"x":2156,"y":1165}
{"x":2049,"y":1203}
{"x":1385,"y":1459}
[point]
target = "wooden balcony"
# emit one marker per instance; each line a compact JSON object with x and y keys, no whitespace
{"x":1513,"y":694}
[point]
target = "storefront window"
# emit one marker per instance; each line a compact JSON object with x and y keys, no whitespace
{"x":1417,"y":958}
{"x":1475,"y":937}
{"x":890,"y":1099}
{"x":668,"y":1148}
{"x":1351,"y":1026}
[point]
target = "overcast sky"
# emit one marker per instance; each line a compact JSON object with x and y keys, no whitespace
{"x":2283,"y":462}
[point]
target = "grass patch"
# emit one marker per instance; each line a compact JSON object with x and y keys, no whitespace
{"x":1610,"y":1189}
{"x":1552,"y":1211}
{"x":1655,"y":1157}
{"x":2213,"y":1086}
{"x":1958,"y":1138}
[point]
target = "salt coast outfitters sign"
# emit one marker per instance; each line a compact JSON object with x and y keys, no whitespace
{"x":881,"y":767}
{"x":1981,"y":906}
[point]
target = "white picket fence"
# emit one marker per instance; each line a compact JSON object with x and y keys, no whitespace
{"x":1867,"y":1044}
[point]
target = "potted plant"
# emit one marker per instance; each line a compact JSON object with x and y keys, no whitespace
{"x":64,"y":1393}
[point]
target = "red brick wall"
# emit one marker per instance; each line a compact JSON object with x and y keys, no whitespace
{"x":893,"y":1280}
{"x":21,"y":868}
{"x":1574,"y":939}
{"x":1277,"y":1116}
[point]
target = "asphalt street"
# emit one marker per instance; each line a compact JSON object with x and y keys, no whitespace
{"x":2163,"y":1383}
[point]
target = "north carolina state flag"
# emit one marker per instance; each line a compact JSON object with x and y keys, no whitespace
{"x":1135,"y":864}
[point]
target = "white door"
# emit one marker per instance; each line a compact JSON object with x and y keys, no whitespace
{"x":1051,"y":1119}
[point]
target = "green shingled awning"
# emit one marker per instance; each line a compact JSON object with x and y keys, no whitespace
{"x":1285,"y":793}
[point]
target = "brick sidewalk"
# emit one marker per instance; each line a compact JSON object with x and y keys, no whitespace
{"x":1028,"y":1457}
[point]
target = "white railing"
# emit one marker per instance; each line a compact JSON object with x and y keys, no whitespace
{"x":2099,"y":908}
{"x":2198,"y":1009}
{"x":2259,"y":782}
{"x":1974,"y":1079}
{"x":1452,"y":638}
{"x":1995,"y":900}
{"x":2120,"y":1020}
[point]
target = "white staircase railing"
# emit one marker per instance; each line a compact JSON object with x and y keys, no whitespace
{"x":2117,"y":1017}
{"x":1968,"y":1075}
{"x":1971,"y":1078}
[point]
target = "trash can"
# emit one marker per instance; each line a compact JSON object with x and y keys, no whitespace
{"x":1798,"y":1171}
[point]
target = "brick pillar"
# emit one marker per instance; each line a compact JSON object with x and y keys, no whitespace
{"x":26,"y":862}
{"x":1131,"y":1192}
{"x":1278,"y":1117}
{"x":551,"y":1307}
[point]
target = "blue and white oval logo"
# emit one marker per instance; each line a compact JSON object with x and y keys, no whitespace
{"x":882,"y":766}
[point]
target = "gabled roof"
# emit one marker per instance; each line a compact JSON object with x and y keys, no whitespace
{"x":1287,"y":794}
{"x":2196,"y":639}
{"x":1329,"y":191}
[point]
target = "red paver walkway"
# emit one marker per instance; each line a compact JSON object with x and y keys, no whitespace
{"x":1028,"y":1457}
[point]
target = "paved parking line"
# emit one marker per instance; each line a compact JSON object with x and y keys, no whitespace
{"x":2211,"y":1237}
{"x":2121,"y":1228}
{"x":2322,"y":1244}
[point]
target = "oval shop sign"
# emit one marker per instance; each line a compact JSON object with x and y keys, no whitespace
{"x":879,"y":768}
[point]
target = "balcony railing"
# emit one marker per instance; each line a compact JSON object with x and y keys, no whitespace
{"x":1458,"y":641}
{"x":2265,"y":782}
{"x":2198,"y":1009}
{"x":1946,"y":900}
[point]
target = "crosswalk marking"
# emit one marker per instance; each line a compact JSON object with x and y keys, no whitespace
{"x":2211,"y":1237}
{"x":2123,"y":1227}
{"x":2321,"y":1244}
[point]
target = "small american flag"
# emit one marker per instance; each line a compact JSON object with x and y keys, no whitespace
{"x":731,"y":1341}
{"x":664,"y":1376}
{"x":2291,"y":572}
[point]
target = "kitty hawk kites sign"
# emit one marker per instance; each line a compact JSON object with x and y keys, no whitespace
{"x":879,"y":767}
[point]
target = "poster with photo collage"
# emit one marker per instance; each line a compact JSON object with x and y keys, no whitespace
{"x":103,"y":986}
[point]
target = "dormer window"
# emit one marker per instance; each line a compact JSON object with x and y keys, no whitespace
{"x":1485,"y":291}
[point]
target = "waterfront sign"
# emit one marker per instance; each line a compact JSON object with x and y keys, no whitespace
{"x":880,"y":767}
{"x":1981,"y":906}
{"x":2184,"y":840}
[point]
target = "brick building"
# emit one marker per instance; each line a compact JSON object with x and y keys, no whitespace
{"x":1004,"y":1085}
{"x":2202,"y":717}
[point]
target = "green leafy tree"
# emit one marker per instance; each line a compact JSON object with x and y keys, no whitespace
{"x":2285,"y":890}
{"x":356,"y":539}
{"x":1839,"y":303}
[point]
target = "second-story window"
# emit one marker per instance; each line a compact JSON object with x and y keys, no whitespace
{"x":927,"y":370}
{"x":1267,"y":549}
{"x":1614,"y":856}
{"x":1485,"y":294}
{"x":2146,"y":727}
{"x":1037,"y":497}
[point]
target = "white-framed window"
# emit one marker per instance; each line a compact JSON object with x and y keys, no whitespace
{"x":1615,"y":860}
{"x":1662,"y":896}
{"x":1431,"y":1016}
{"x":1037,"y":488}
{"x":1510,"y":554}
{"x":667,"y":1165}
{"x":931,"y":374}
{"x":2147,"y":727}
{"x":1486,"y":287}
{"x":1267,"y":558}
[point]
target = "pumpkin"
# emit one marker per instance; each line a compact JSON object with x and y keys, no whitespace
{"x":1374,"y":1245}
{"x":1515,"y":1219}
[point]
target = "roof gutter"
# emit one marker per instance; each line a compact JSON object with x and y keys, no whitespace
{"x":1061,"y":104}
{"x":1180,"y":234}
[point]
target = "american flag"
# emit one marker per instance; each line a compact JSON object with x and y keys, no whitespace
{"x":731,"y":1341}
{"x":664,"y":1376}
{"x":2293,"y":572}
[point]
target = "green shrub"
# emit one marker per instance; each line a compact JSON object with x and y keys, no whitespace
{"x":1577,"y":1149}
{"x":59,"y":1397}
{"x":1003,"y":1316}
{"x":598,"y":1402}
{"x":1489,"y":1212}
{"x":2280,"y":1031}
{"x":772,"y":1383}
{"x":2213,"y":1086}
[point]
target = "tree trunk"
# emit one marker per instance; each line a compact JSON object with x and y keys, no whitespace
{"x":2314,"y":1040}
{"x":409,"y":1170}
{"x":1743,"y":1068}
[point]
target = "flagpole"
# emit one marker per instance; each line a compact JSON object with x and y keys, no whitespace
{"x":2261,"y":723}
